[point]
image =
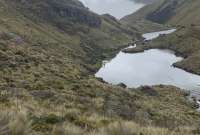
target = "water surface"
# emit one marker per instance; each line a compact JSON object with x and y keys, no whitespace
{"x":152,"y":67}
{"x":152,"y":35}
{"x":116,"y":8}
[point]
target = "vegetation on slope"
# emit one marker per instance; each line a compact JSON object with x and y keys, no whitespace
{"x":138,"y":19}
{"x":182,"y":14}
{"x":46,"y":81}
{"x":164,"y":13}
{"x":185,"y":42}
{"x":173,"y":12}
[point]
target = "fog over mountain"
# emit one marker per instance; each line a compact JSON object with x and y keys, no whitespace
{"x":145,"y":1}
{"x":117,"y":8}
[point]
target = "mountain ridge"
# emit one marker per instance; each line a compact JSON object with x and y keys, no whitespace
{"x":172,"y":12}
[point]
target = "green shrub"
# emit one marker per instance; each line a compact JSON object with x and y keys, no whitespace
{"x":43,"y":123}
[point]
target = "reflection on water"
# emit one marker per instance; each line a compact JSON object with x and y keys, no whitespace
{"x":152,"y":35}
{"x":151,"y":67}
{"x":117,"y":8}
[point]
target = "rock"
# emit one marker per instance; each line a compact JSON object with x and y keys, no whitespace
{"x":122,"y":85}
{"x":42,"y":94}
{"x":11,"y":37}
{"x":149,"y":91}
{"x":110,"y":17}
{"x":80,"y":14}
{"x":100,"y":79}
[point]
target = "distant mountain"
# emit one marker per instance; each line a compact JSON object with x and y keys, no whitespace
{"x":181,"y":12}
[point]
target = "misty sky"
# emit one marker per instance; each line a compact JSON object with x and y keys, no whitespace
{"x":117,"y":8}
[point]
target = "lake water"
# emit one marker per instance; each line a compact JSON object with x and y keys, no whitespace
{"x":152,"y":67}
{"x":116,"y":8}
{"x":152,"y":35}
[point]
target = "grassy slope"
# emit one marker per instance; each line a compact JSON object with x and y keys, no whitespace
{"x":187,"y":13}
{"x":142,"y":13}
{"x":137,"y":20}
{"x":185,"y":41}
{"x":47,"y":87}
{"x":184,"y":13}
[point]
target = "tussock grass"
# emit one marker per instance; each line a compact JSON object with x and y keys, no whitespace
{"x":14,"y":123}
{"x":47,"y":88}
{"x":121,"y":128}
{"x":67,"y":129}
{"x":131,"y":128}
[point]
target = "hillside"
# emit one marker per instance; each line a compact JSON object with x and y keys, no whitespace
{"x":185,"y":41}
{"x":174,"y":12}
{"x":139,"y":21}
{"x":49,"y":51}
{"x":179,"y":12}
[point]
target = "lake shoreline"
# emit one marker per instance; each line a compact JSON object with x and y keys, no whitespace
{"x":143,"y":47}
{"x":147,"y":45}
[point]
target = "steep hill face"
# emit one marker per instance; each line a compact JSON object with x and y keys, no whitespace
{"x":139,"y":21}
{"x":91,"y":32}
{"x":58,"y":12}
{"x":49,"y":50}
{"x":181,"y":12}
{"x":174,"y":12}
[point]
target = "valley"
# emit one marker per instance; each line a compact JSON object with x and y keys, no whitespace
{"x":146,"y":68}
{"x":116,"y":8}
{"x":50,"y":51}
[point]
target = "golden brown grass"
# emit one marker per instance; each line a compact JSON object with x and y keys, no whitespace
{"x":14,"y":123}
{"x":121,"y":128}
{"x":47,"y":87}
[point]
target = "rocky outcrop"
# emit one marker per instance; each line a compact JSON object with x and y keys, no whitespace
{"x":122,"y":85}
{"x":62,"y":11}
{"x":79,"y":14}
